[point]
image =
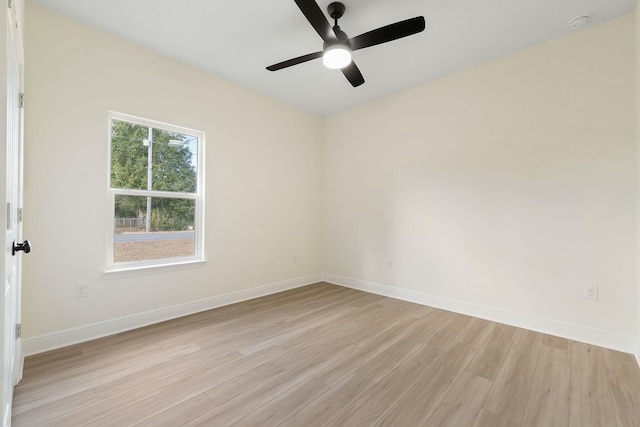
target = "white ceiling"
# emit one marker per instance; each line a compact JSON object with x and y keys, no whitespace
{"x":236,"y":40}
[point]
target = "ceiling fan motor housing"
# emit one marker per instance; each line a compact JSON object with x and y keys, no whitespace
{"x":336,"y":10}
{"x":341,"y":39}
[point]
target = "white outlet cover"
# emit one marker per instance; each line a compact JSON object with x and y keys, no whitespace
{"x":592,"y":293}
{"x":82,"y":291}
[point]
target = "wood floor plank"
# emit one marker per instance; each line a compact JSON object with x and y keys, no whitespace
{"x":47,"y":392}
{"x":282,"y":373}
{"x":273,"y":377}
{"x":274,"y":412}
{"x":410,"y":337}
{"x":83,"y":364}
{"x":138,"y":403}
{"x":378,"y":341}
{"x":368,"y":408}
{"x":259,"y":388}
{"x":462,"y":403}
{"x":39,"y":415}
{"x":259,"y":313}
{"x":548,"y":400}
{"x":556,"y":342}
{"x":508,"y":395}
{"x":582,"y":414}
{"x":489,"y":419}
{"x":187,"y":365}
{"x":41,"y":364}
{"x":489,"y":358}
{"x":150,"y":398}
{"x":253,"y":399}
{"x":323,"y":409}
{"x":421,"y":398}
{"x":624,"y":383}
{"x":252,"y":329}
{"x":591,"y":403}
{"x":325,"y":355}
{"x":407,"y":340}
{"x":180,"y":414}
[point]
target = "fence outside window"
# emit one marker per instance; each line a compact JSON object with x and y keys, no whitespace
{"x":130,"y":222}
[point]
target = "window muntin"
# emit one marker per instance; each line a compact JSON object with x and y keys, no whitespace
{"x":155,"y":187}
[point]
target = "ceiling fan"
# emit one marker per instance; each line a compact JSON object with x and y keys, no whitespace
{"x":337,"y":48}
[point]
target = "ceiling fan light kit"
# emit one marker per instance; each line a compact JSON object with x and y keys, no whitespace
{"x":336,"y":56}
{"x":337,"y":48}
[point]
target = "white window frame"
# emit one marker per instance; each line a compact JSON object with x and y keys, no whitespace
{"x":198,"y":196}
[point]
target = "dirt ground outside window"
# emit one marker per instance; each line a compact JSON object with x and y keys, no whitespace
{"x":153,"y":249}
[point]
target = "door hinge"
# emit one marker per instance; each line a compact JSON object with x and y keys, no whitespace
{"x":18,"y":330}
{"x":19,"y":214}
{"x":21,"y":100}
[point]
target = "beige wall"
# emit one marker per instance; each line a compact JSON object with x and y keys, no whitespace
{"x":263,"y":177}
{"x":510,"y":185}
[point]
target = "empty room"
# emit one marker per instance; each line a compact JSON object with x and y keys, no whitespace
{"x":317,"y":213}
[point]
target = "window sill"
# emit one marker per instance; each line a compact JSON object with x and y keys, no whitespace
{"x":140,"y":270}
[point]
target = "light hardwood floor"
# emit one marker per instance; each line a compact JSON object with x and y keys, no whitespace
{"x":325,"y":355}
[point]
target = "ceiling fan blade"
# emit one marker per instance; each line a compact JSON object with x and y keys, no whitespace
{"x":294,"y":61}
{"x":388,"y":33}
{"x":316,"y":18}
{"x":353,"y":74}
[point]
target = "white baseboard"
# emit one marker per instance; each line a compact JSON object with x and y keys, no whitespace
{"x":47,"y":342}
{"x":42,"y":343}
{"x":625,"y":344}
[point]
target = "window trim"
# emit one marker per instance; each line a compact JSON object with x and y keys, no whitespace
{"x":198,"y":196}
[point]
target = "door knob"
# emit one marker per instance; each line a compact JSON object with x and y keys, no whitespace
{"x":24,"y":246}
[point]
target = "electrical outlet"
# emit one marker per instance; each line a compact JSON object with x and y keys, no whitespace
{"x":592,"y":292}
{"x":82,"y":290}
{"x":389,"y":264}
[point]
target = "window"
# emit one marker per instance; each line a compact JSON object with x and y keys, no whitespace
{"x":155,"y":192}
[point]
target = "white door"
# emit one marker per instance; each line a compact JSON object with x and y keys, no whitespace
{"x":12,"y":358}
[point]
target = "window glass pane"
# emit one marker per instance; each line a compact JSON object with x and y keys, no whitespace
{"x":129,"y":155}
{"x":174,"y":161}
{"x":167,"y":233}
